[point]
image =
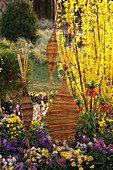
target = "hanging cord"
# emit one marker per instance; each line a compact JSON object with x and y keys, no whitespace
{"x":50,"y":82}
{"x":28,"y":144}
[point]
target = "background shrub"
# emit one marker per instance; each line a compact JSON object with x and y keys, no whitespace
{"x":19,"y":20}
{"x":10,"y":81}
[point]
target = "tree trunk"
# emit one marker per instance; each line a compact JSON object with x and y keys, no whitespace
{"x":44,"y":8}
{"x":0,"y":105}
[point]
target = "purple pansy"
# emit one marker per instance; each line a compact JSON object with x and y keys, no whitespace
{"x":20,"y":149}
{"x":19,"y":165}
{"x":49,"y":161}
{"x":45,"y":142}
{"x":34,"y":165}
{"x":7,"y":145}
{"x":54,"y":155}
{"x":14,"y":142}
{"x":35,"y":145}
{"x":40,"y":133}
{"x":61,"y":161}
{"x":24,"y":141}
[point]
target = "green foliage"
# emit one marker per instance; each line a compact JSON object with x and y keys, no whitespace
{"x":10,"y":81}
{"x":88,"y":124}
{"x":37,"y":51}
{"x":19,"y":20}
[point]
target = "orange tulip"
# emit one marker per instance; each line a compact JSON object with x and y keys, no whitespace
{"x":88,"y":91}
{"x":80,"y":109}
{"x":104,"y":107}
{"x":91,"y":92}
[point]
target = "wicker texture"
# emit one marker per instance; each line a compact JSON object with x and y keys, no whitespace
{"x":52,"y":51}
{"x":27,"y":109}
{"x":62,"y":115}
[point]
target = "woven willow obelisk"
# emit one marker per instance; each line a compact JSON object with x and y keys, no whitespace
{"x":62,"y":115}
{"x":26,"y":102}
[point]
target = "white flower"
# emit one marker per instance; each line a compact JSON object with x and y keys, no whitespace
{"x":4,"y":167}
{"x":3,"y":160}
{"x":84,"y":146}
{"x":94,"y":139}
{"x":10,"y":163}
{"x":9,"y":160}
{"x":57,"y":141}
{"x":14,"y":159}
{"x":48,"y":137}
{"x":83,"y":136}
{"x":0,"y":156}
{"x":90,"y":143}
{"x":33,"y":149}
{"x":42,"y":125}
{"x":54,"y":146}
{"x":5,"y":163}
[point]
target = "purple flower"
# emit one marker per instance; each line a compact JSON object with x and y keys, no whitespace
{"x":54,"y":155}
{"x":111,"y":114}
{"x":7,"y":145}
{"x":45,"y":142}
{"x":35,"y":144}
{"x":61,"y":161}
{"x":24,"y":141}
{"x":19,"y":165}
{"x":111,"y":150}
{"x":20,"y":149}
{"x":40,"y":133}
{"x":95,"y":146}
{"x":100,"y":141}
{"x":34,"y":165}
{"x":49,"y":161}
{"x":104,"y":151}
{"x":13,"y":148}
{"x":14,"y":142}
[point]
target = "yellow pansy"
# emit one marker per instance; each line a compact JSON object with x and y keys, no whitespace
{"x":59,"y":148}
{"x":92,"y":167}
{"x":73,"y":164}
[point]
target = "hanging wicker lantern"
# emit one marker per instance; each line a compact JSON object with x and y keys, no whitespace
{"x":52,"y":51}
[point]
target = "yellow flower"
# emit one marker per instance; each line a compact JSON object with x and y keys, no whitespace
{"x":47,"y":155}
{"x":80,"y":168}
{"x":85,"y":157}
{"x":28,"y":160}
{"x":90,"y":158}
{"x":33,"y":159}
{"x":92,"y":167}
{"x":39,"y":150}
{"x":59,"y":148}
{"x":38,"y":156}
{"x":73,"y":164}
{"x":78,"y":165}
{"x":77,"y":151}
{"x":8,"y":125}
{"x":32,"y":152}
